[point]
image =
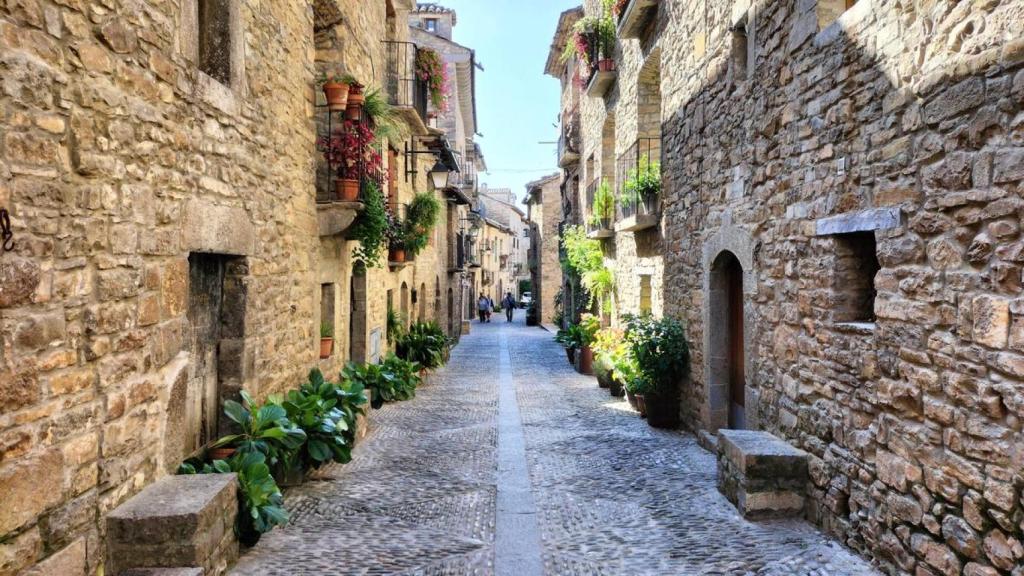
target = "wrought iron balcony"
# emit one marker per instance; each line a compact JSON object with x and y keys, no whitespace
{"x":635,"y":17}
{"x":602,"y":68}
{"x":406,"y":92}
{"x":638,"y":182}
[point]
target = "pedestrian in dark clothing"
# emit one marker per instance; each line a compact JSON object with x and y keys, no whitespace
{"x":509,"y":304}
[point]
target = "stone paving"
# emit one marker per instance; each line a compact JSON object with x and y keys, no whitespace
{"x":614,"y":496}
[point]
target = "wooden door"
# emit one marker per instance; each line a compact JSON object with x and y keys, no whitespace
{"x":737,"y":372}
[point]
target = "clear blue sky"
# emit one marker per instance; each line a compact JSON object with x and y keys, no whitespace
{"x":517,"y":105}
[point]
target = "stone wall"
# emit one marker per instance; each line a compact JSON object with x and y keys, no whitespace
{"x":901,"y":121}
{"x":546,"y":214}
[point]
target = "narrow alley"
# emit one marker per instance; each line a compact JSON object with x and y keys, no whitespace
{"x":436,"y":486}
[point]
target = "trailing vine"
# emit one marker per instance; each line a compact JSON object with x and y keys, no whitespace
{"x":430,"y":68}
{"x":371,"y":228}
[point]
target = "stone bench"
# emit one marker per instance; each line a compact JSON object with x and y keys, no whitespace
{"x":762,"y":475}
{"x":177,"y":522}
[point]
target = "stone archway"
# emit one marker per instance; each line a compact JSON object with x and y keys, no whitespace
{"x":730,"y":395}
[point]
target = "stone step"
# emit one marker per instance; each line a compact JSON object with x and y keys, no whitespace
{"x":163,"y":572}
{"x":178,"y":522}
{"x":761,"y":474}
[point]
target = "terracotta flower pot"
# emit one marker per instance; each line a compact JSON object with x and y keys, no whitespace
{"x":586,"y":360}
{"x":337,"y":95}
{"x":604,"y":379}
{"x":641,"y":405}
{"x":326,"y":347}
{"x":222,"y":453}
{"x":353,"y":111}
{"x":606,"y":65}
{"x":346,"y":189}
{"x":396,"y":254}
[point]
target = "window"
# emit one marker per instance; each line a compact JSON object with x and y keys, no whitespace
{"x":645,"y":294}
{"x":215,"y":39}
{"x":327,"y":310}
{"x":830,"y":10}
{"x":739,"y":51}
{"x":853,"y":282}
{"x":430,"y":24}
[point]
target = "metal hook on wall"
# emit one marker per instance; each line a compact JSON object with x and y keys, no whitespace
{"x":6,"y":235}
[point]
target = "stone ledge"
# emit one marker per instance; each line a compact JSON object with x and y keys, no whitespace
{"x":862,"y":221}
{"x":761,"y":474}
{"x":637,"y":222}
{"x":163,"y":572}
{"x":336,"y":218}
{"x":177,"y":522}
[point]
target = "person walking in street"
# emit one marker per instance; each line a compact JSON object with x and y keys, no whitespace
{"x":508,"y":303}
{"x":490,"y":308}
{"x":482,"y":306}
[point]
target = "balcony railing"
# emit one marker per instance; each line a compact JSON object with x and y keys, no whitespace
{"x":602,"y":67}
{"x":638,"y":183}
{"x":405,"y":91}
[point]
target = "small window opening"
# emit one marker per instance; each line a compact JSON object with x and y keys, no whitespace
{"x":739,"y":51}
{"x":327,"y":311}
{"x":856,"y":264}
{"x":645,"y":294}
{"x":430,"y":24}
{"x":215,"y":39}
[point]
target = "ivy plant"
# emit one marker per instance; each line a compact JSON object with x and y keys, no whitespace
{"x":371,"y":228}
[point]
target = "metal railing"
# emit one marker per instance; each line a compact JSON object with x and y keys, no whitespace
{"x":368,"y":167}
{"x":404,"y":89}
{"x":636,"y":170}
{"x":569,"y":139}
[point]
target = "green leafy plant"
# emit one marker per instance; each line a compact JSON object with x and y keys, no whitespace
{"x":326,"y":330}
{"x":570,"y":337}
{"x":393,"y":380}
{"x":265,"y":429}
{"x":659,"y":347}
{"x":420,"y":219}
{"x":386,"y":124}
{"x":370,"y":230}
{"x":589,"y":325}
{"x":314,"y":408}
{"x":584,"y":257}
{"x":602,"y":210}
{"x":642,"y":184}
{"x":424,"y":343}
{"x":393,"y":327}
{"x":260,"y":504}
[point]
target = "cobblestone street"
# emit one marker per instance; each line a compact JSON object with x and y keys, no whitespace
{"x":440,"y":486}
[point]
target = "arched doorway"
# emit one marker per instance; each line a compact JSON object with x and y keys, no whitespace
{"x":727,"y":348}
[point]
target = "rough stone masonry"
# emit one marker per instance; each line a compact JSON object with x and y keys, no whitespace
{"x":862,"y":171}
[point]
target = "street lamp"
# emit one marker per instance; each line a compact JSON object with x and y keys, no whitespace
{"x":439,"y":175}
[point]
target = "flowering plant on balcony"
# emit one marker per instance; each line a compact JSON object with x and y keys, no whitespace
{"x":351,"y":155}
{"x":593,"y":37}
{"x":431,"y":69}
{"x":619,"y":7}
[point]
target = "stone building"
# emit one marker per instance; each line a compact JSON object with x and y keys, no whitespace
{"x":160,"y":168}
{"x":839,"y":228}
{"x":544,"y":211}
{"x":500,"y":206}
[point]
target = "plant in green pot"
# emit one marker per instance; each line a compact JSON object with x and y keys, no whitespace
{"x":659,"y":346}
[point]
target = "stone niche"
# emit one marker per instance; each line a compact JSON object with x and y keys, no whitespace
{"x":763,"y":476}
{"x":178,"y":522}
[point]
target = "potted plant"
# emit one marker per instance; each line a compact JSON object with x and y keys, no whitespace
{"x":356,"y":98}
{"x":263,"y":428}
{"x":589,"y":325}
{"x":431,"y":70}
{"x":351,"y":154}
{"x":571,"y":338}
{"x":659,"y":347}
{"x":420,"y":219}
{"x":607,"y":345}
{"x":396,"y":235}
{"x":531,"y":314}
{"x":371,"y":226}
{"x":326,"y":340}
{"x":603,"y":208}
{"x":336,"y":92}
{"x":424,"y":343}
{"x":642,"y":185}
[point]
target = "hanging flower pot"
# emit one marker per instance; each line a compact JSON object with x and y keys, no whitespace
{"x":326,"y":347}
{"x":336,"y":94}
{"x":347,"y":189}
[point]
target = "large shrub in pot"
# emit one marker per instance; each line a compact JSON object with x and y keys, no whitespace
{"x":662,"y":357}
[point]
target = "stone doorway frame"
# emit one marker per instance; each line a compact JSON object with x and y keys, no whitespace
{"x":715,"y":409}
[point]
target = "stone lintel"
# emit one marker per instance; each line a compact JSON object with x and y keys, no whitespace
{"x":861,"y":221}
{"x":214,"y":229}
